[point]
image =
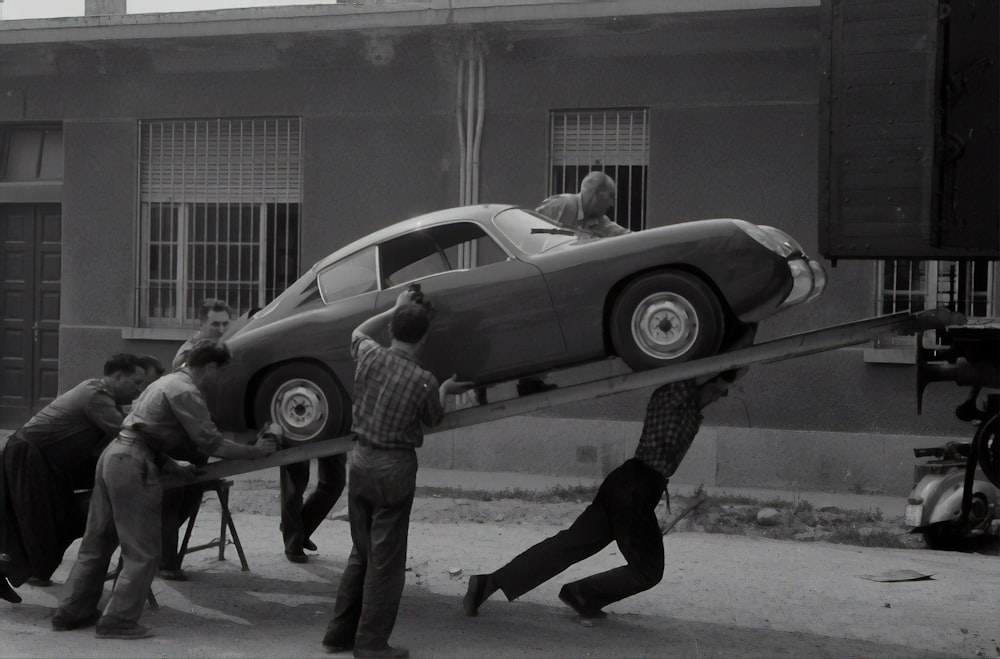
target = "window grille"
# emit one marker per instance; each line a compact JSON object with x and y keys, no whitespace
{"x":962,"y":286}
{"x":615,"y":142}
{"x":219,"y":214}
{"x":966,"y":287}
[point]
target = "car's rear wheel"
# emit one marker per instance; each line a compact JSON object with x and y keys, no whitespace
{"x":666,"y":318}
{"x":306,"y":401}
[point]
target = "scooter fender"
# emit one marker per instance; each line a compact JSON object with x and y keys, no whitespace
{"x":942,"y":496}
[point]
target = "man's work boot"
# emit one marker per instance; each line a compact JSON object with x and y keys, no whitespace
{"x":63,"y":623}
{"x":481,"y":586}
{"x":570,"y":594}
{"x":7,"y":591}
{"x":388,"y":652}
{"x":129,"y":633}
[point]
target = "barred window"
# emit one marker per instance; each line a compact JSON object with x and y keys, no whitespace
{"x":615,"y":142}
{"x":219,"y":208}
{"x":962,"y":286}
{"x":966,"y":287}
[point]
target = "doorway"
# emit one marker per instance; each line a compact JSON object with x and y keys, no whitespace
{"x":29,"y":309}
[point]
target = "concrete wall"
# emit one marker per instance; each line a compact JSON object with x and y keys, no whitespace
{"x":797,"y":460}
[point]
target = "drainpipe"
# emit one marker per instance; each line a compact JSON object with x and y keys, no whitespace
{"x":469,"y":123}
{"x":470,"y":114}
{"x":480,"y":115}
{"x":459,"y":111}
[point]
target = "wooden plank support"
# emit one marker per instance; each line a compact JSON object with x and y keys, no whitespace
{"x":796,"y":345}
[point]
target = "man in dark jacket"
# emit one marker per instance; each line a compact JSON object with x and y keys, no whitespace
{"x":169,"y":417}
{"x":50,"y":457}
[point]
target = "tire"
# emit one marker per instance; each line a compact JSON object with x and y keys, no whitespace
{"x":944,"y":536}
{"x":952,"y":536}
{"x":694,"y":314}
{"x":987,"y":450}
{"x":305,"y":400}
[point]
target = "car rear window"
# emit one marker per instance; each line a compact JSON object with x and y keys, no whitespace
{"x":352,"y":275}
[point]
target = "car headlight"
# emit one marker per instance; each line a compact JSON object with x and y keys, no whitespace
{"x":775,"y":240}
{"x":802,"y":282}
{"x":819,"y":280}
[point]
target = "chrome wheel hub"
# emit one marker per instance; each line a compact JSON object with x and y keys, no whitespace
{"x":300,"y":408}
{"x":665,"y":326}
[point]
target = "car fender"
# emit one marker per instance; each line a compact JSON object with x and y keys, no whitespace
{"x":584,"y":276}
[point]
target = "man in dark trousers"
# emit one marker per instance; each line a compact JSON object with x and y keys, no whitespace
{"x":624,"y":511}
{"x":46,"y":460}
{"x":393,"y":396}
{"x":299,"y":519}
{"x":170,"y":415}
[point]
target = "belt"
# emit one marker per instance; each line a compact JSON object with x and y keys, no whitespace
{"x":378,"y":447}
{"x":132,"y":439}
{"x":367,"y":444}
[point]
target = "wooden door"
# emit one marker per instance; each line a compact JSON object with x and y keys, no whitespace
{"x":29,"y":309}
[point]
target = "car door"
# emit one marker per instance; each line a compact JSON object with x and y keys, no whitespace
{"x":494,"y":318}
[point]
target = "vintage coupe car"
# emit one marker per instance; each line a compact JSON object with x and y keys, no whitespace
{"x":514,"y":295}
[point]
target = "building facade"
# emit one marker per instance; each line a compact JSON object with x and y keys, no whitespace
{"x":154,"y":160}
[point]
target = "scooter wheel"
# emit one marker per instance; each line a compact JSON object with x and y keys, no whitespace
{"x":988,"y":449}
{"x":944,"y":536}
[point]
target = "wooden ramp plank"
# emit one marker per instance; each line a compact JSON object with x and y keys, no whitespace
{"x":789,"y":347}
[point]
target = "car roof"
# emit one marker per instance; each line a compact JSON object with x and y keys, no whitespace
{"x":479,"y":213}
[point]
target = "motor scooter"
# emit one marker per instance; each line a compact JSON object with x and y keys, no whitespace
{"x":955,"y":502}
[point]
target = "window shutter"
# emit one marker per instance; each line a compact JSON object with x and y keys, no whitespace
{"x":221,"y":160}
{"x":599,"y":138}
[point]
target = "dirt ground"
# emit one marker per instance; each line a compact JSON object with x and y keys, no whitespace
{"x":687,"y":513}
{"x":743,"y":595}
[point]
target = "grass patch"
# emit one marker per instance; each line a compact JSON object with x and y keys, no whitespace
{"x":731,"y":514}
{"x":853,"y":536}
{"x":558,"y":494}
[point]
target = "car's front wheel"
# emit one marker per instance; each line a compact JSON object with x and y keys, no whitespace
{"x":304,"y":399}
{"x":666,"y":318}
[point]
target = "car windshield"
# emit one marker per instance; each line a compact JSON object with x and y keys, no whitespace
{"x":530,"y":232}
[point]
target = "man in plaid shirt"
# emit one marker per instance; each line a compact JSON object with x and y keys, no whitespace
{"x":393,"y":398}
{"x":623,"y":511}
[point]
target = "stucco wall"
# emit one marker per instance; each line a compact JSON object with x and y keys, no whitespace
{"x":733,"y":133}
{"x":797,"y":460}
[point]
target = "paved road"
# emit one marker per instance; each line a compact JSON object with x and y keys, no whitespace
{"x":721,"y":596}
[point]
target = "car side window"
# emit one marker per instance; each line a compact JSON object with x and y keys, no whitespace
{"x":412,"y":256}
{"x":473,"y":251}
{"x":455,"y":246}
{"x":348,"y":277}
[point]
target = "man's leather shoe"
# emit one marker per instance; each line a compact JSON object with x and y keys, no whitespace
{"x":297,"y":558}
{"x":528,"y":386}
{"x":7,"y":591}
{"x":62,"y":623}
{"x":478,"y":592}
{"x":332,"y":648}
{"x":309,"y":544}
{"x":388,"y":652}
{"x":172,"y":575}
{"x":570,"y":594}
{"x":131,"y":633}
